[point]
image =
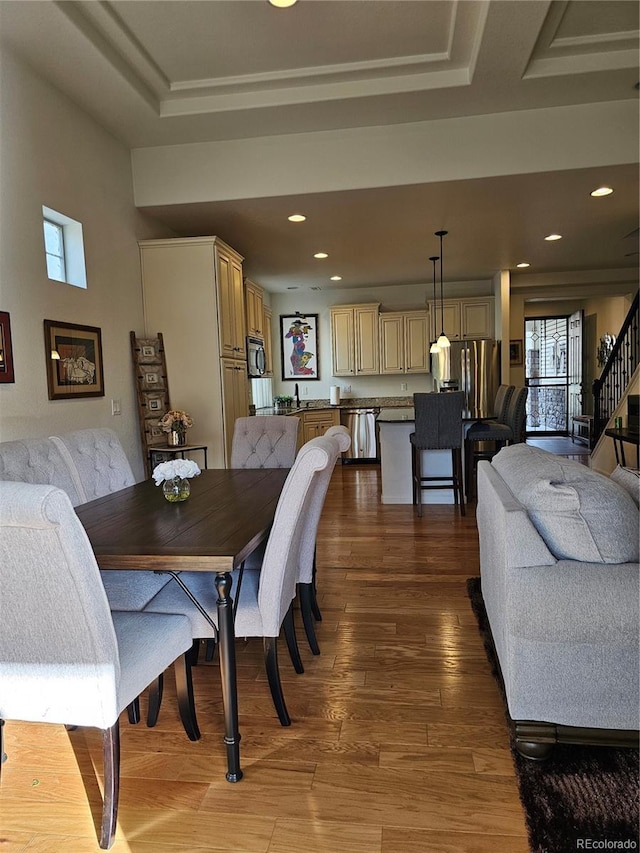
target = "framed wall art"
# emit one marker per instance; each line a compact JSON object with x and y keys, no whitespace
{"x":299,"y":346}
{"x":74,"y":360}
{"x":6,"y":350}
{"x":515,"y":352}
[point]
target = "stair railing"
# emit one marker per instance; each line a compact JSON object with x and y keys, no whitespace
{"x":617,"y":372}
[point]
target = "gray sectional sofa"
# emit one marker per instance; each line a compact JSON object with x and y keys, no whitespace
{"x":86,"y":464}
{"x":560,"y":582}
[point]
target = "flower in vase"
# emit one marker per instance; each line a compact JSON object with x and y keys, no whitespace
{"x":182,"y":468}
{"x":176,"y":420}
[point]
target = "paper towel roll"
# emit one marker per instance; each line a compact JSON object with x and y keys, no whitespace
{"x":334,"y":395}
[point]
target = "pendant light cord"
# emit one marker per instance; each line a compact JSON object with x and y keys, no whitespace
{"x":441,"y":234}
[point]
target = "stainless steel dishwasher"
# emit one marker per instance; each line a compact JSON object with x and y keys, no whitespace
{"x":361,"y":423}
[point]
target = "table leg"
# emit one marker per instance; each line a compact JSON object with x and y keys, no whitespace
{"x":227,"y":653}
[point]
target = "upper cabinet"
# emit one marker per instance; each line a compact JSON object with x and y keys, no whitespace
{"x":467,"y":318}
{"x":231,"y":301}
{"x":354,"y":340}
{"x":254,"y":302}
{"x":404,"y":342}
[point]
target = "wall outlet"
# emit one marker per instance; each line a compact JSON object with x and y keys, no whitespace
{"x":116,"y":408}
{"x":403,"y":386}
{"x":347,"y":389}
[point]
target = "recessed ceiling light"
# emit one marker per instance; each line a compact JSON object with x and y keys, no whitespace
{"x":296,"y":217}
{"x":523,"y":265}
{"x":282,"y":4}
{"x":336,"y":278}
{"x":551,"y":237}
{"x":321,"y":255}
{"x":601,"y":191}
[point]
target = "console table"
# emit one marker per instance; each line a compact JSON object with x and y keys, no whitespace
{"x":623,"y":436}
{"x":171,"y":451}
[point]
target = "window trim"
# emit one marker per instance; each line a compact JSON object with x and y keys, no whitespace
{"x":74,"y":264}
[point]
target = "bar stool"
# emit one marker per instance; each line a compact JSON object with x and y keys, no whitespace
{"x":511,"y":431}
{"x":438,"y":418}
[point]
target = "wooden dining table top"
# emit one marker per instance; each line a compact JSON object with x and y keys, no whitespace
{"x":228,"y":514}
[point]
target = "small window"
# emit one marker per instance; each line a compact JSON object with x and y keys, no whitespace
{"x":54,"y":249}
{"x":64,"y":248}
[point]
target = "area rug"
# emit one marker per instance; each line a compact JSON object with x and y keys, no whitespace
{"x":582,"y":797}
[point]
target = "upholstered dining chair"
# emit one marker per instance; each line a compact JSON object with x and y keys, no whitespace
{"x":99,"y":458}
{"x":509,"y":429}
{"x":64,"y":657}
{"x":264,"y":441}
{"x":307,"y":572}
{"x":438,"y":419}
{"x":264,"y":600}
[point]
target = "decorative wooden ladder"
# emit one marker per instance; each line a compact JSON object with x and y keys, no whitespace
{"x":152,"y":391}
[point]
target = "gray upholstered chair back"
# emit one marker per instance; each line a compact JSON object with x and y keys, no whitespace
{"x":501,"y":404}
{"x":264,"y":441}
{"x":38,"y":460}
{"x":342,"y":435}
{"x":438,"y":419}
{"x":279,"y":572}
{"x":58,"y":650}
{"x":99,"y":459}
{"x":516,"y":413}
{"x":341,"y":438}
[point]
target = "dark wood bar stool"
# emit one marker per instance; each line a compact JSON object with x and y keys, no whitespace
{"x":438,"y":419}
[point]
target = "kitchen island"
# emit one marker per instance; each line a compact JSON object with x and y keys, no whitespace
{"x":395,"y":426}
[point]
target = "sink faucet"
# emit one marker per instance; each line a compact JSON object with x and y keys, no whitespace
{"x":297,"y":396}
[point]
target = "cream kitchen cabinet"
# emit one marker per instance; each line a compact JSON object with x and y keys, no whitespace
{"x":468,"y":318}
{"x":404,"y":342}
{"x":315,"y":422}
{"x":354,"y":340}
{"x":254,"y":304}
{"x":193,"y":293}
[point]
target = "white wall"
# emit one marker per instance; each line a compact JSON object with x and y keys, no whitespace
{"x":403,"y":298}
{"x":52,"y":153}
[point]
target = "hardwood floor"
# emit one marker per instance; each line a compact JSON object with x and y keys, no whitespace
{"x":398,"y":741}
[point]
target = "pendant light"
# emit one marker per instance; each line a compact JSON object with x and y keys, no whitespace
{"x":443,"y":340}
{"x":434,"y":344}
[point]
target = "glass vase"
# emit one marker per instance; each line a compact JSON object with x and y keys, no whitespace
{"x":176,"y":489}
{"x":177,"y":438}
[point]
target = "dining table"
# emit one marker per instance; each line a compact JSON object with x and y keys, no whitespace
{"x":227,"y":516}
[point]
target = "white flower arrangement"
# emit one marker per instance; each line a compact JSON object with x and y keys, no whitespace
{"x":175,"y":468}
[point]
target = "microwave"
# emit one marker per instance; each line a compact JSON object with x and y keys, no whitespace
{"x":256,"y":361}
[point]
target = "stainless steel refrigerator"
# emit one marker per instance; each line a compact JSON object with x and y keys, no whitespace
{"x":475,"y":366}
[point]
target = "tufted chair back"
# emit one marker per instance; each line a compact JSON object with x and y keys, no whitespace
{"x":264,"y":441}
{"x":38,"y":460}
{"x":99,"y":459}
{"x":517,"y":414}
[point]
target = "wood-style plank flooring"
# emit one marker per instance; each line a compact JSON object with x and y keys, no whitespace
{"x":398,"y":742}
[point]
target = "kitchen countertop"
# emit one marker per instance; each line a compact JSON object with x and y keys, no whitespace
{"x":346,"y":403}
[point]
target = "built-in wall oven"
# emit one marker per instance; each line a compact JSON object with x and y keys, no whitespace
{"x":256,"y":361}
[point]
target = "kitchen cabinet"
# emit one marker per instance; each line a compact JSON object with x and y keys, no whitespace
{"x":268,"y":340}
{"x":404,"y":342}
{"x":254,"y":304}
{"x":315,"y":422}
{"x":467,"y":318}
{"x":354,"y":340}
{"x":193,"y":294}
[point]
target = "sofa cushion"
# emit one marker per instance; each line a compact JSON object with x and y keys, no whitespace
{"x":629,"y":479}
{"x":581,"y":515}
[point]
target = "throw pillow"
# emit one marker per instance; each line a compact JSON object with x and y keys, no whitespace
{"x":629,"y":479}
{"x":581,"y":515}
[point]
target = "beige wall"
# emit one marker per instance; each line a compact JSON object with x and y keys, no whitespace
{"x":52,"y":153}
